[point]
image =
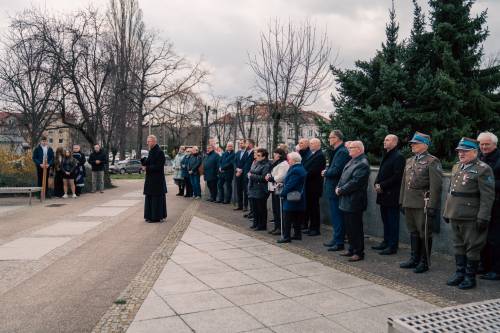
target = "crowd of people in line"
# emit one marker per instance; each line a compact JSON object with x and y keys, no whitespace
{"x":297,"y":180}
{"x":65,"y":169}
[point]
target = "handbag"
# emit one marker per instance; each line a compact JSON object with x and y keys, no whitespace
{"x":294,"y":196}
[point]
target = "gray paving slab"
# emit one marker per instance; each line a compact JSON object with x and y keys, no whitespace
{"x":120,"y":203}
{"x":183,"y":248}
{"x":339,"y":280}
{"x":247,"y":243}
{"x":269,"y":274}
{"x":265,"y":250}
{"x":248,"y":263}
{"x":310,"y":268}
{"x":375,"y":294}
{"x":285,"y":259}
{"x":362,"y":321}
{"x":30,"y":248}
{"x":206,"y":267}
{"x":104,"y":211}
{"x":316,"y":325}
{"x":233,"y":236}
{"x":180,"y":285}
{"x":9,"y":209}
{"x":332,"y":302}
{"x":249,"y":294}
{"x":297,"y":287}
{"x":279,"y":312}
{"x":231,"y":254}
{"x":197,"y":301}
{"x":67,"y":229}
{"x":227,"y":320}
{"x":162,"y":325}
{"x":134,"y":194}
{"x":190,"y":257}
{"x":213,"y":247}
{"x":153,"y":307}
{"x":225,"y":279}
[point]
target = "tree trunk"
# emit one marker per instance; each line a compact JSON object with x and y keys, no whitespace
{"x":140,"y":119}
{"x":276,"y":128}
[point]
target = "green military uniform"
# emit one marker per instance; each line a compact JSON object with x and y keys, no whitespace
{"x":468,"y":207}
{"x":422,"y":178}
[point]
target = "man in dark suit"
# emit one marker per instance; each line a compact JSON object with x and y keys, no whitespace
{"x":43,"y":153}
{"x":226,"y":173}
{"x":314,"y":165}
{"x":338,"y":159}
{"x":247,"y":164}
{"x":353,"y":199}
{"x":239,"y":160}
{"x":210,"y":170}
{"x":387,"y":185}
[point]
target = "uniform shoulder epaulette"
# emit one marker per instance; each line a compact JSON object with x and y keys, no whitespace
{"x":481,"y":163}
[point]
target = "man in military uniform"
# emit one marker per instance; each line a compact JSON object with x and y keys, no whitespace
{"x":468,"y":209}
{"x":419,"y":199}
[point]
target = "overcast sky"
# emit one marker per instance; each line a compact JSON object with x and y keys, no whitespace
{"x":221,"y":32}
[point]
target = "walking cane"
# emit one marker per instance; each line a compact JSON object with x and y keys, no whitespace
{"x":44,"y":179}
{"x":281,"y":216}
{"x":427,"y":196}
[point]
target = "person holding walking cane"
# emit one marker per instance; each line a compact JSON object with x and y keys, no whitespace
{"x":275,"y":178}
{"x":43,"y":157}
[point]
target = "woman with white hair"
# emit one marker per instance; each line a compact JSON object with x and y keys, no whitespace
{"x":293,"y":196}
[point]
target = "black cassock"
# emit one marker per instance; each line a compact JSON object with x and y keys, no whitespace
{"x":155,"y":187}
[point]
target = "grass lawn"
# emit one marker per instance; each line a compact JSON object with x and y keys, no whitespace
{"x":127,"y":176}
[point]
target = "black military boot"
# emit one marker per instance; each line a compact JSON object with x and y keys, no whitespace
{"x":458,"y":277}
{"x":414,"y":254}
{"x":469,"y":281}
{"x":423,"y":265}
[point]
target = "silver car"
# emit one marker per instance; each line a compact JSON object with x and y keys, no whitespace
{"x":128,"y":166}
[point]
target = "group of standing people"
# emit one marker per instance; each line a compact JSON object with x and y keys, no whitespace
{"x":411,"y":187}
{"x":65,"y":169}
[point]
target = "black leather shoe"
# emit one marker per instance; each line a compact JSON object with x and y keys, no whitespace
{"x":313,"y":233}
{"x":490,"y":276}
{"x":276,"y":232}
{"x":253,"y":226}
{"x":422,"y":267}
{"x":329,"y":244}
{"x":261,"y":228}
{"x":336,"y":247}
{"x":346,"y":254}
{"x":226,"y":202}
{"x":179,"y":194}
{"x":245,"y":209}
{"x":388,"y":252}
{"x":381,"y":246}
{"x":218,"y":201}
{"x":284,"y":240}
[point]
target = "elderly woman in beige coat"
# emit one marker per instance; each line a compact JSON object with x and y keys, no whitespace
{"x":275,"y":179}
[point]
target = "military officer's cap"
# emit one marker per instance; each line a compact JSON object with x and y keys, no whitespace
{"x":467,"y":144}
{"x":421,"y":138}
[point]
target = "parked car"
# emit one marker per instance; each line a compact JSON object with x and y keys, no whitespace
{"x":127,"y":166}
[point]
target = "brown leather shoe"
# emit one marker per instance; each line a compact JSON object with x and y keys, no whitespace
{"x":355,"y":258}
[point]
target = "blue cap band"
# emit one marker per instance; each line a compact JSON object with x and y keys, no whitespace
{"x":421,"y":139}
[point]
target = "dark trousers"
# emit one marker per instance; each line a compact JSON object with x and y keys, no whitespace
{"x":390,"y":218}
{"x":275,"y":201}
{"x":245,"y":192}
{"x":292,"y":219}
{"x":189,"y":188}
{"x":212,"y":188}
{"x":260,"y":212}
{"x":337,"y":220}
{"x":225,"y":189}
{"x":180,"y":184}
{"x":239,"y":191}
{"x":312,"y":212}
{"x":490,"y":255}
{"x":354,"y":229}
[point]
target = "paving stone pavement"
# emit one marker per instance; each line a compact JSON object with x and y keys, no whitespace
{"x":218,"y":280}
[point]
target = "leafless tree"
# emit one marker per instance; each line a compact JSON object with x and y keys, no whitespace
{"x":29,"y":76}
{"x":291,"y":69}
{"x":223,"y":120}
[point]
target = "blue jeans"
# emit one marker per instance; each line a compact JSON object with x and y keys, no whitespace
{"x":225,"y":188}
{"x":390,"y":217}
{"x":337,"y":220}
{"x":195,"y":182}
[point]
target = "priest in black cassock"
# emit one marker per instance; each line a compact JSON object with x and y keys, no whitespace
{"x":155,"y":187}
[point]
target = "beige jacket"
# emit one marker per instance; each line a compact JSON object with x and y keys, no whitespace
{"x":279,"y":173}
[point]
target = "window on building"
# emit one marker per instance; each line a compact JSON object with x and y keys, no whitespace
{"x":51,"y":131}
{"x":51,"y":140}
{"x":60,"y":131}
{"x":61,"y":140}
{"x":290,"y":132}
{"x":310,"y":133}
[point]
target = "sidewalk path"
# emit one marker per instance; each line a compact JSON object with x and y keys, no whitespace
{"x":219,"y":280}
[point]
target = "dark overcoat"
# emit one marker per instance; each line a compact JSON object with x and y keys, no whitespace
{"x":211,"y":166}
{"x":194,"y":163}
{"x":184,"y":165}
{"x":339,"y":158}
{"x":314,"y":165}
{"x":493,"y":160}
{"x":294,"y":181}
{"x":155,"y":175}
{"x":257,"y":186}
{"x":353,"y":185}
{"x":38,"y":156}
{"x":247,"y":162}
{"x":389,"y":178}
{"x":226,"y":165}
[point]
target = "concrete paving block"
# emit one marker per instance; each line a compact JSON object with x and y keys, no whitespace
{"x":316,"y":325}
{"x":226,"y":279}
{"x":162,"y":325}
{"x":243,"y":243}
{"x":269,"y":274}
{"x":230,"y":236}
{"x":30,"y":248}
{"x":172,"y":285}
{"x":279,"y":312}
{"x":121,"y":203}
{"x":249,"y":294}
{"x":261,"y":330}
{"x":339,"y":280}
{"x":297,"y":287}
{"x":183,"y":248}
{"x":375,"y":294}
{"x":8,"y":209}
{"x":104,"y":211}
{"x":407,"y":307}
{"x":310,"y":268}
{"x":196,"y":302}
{"x":265,"y":250}
{"x":285,"y":259}
{"x":361,"y":321}
{"x":192,"y":239}
{"x":329,"y":303}
{"x":231,"y":254}
{"x":67,"y":228}
{"x":227,"y":320}
{"x":190,"y":257}
{"x":213,"y":247}
{"x":248,"y":263}
{"x":206,"y":267}
{"x":134,"y":194}
{"x":153,"y":307}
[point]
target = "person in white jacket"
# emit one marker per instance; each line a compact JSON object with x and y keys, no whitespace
{"x":275,"y":179}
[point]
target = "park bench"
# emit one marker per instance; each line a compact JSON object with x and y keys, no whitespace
{"x":18,"y":190}
{"x":466,"y":318}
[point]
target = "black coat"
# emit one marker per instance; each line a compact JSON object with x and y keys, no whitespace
{"x":194,"y":163}
{"x":389,"y":178}
{"x":314,"y":181}
{"x":353,"y":185}
{"x":257,"y":186}
{"x":226,"y":165}
{"x":247,"y":162}
{"x":100,"y":156}
{"x":38,"y":156}
{"x":493,"y":160}
{"x":339,"y":158}
{"x":211,"y":166}
{"x":155,"y":175}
